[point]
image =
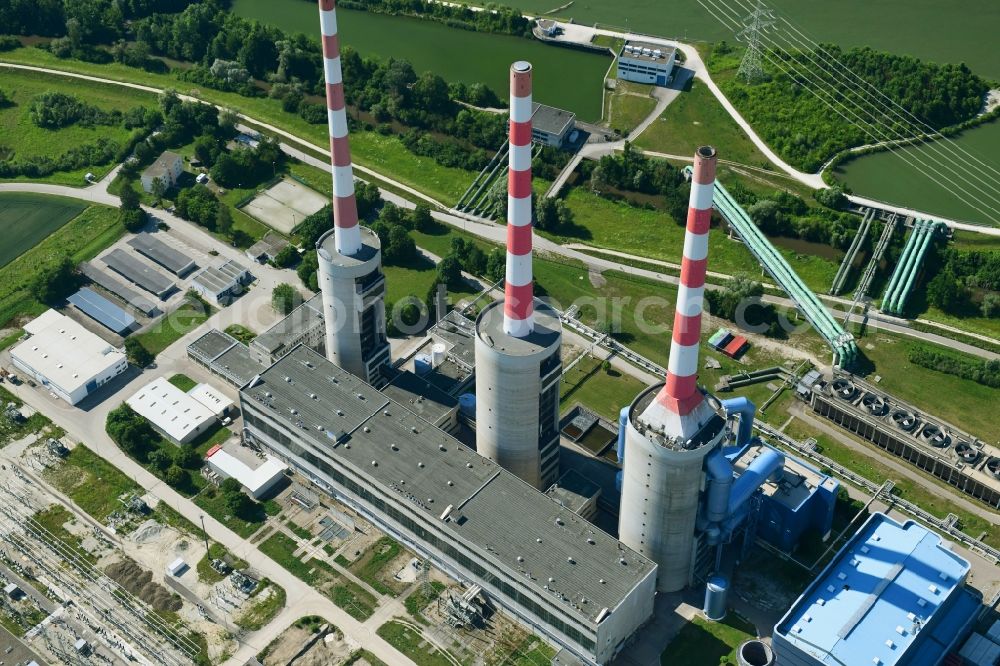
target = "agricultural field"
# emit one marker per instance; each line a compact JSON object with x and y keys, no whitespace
{"x":82,"y":238}
{"x":457,"y":55}
{"x":27,"y":218}
{"x":919,"y":28}
{"x":21,"y":138}
{"x":696,"y":119}
{"x":912,"y":177}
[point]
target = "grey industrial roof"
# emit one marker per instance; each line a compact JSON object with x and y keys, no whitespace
{"x":420,"y":396}
{"x":459,"y":333}
{"x":573,"y":490}
{"x":547,"y":329}
{"x":213,"y":343}
{"x":127,"y":294}
{"x":138,"y":273}
{"x":288,"y":329}
{"x":238,"y":363}
{"x":550,"y":119}
{"x":492,"y":510}
{"x":102,"y":310}
{"x":217,"y":279}
{"x":657,"y":53}
{"x":156,"y":250}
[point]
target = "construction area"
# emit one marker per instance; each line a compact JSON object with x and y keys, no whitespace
{"x":129,"y":589}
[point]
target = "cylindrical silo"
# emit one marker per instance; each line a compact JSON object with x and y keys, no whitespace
{"x":661,"y":484}
{"x":716,"y":598}
{"x":517,"y":394}
{"x":353,"y":287}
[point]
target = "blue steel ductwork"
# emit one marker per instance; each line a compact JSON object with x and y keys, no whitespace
{"x":746,"y":410}
{"x":766,"y":466}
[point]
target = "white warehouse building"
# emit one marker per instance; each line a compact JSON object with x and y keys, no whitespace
{"x":66,"y":358}
{"x":178,"y":416}
{"x":646,"y":63}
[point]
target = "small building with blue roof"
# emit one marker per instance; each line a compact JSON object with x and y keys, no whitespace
{"x":895,"y":595}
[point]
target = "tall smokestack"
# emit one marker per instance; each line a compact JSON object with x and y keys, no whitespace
{"x":680,"y":394}
{"x":518,"y":316}
{"x":671,"y":429}
{"x":518,"y":367}
{"x":347,"y":236}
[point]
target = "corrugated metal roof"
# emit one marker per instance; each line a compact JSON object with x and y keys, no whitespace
{"x":869,"y":604}
{"x":155,"y":249}
{"x":138,"y":273}
{"x":102,"y":310}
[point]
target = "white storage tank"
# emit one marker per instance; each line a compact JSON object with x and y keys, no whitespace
{"x":438,"y":353}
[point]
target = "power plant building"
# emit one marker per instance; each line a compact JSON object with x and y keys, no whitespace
{"x":478,"y":522}
{"x":646,"y":63}
{"x":518,"y":342}
{"x":894,"y":595}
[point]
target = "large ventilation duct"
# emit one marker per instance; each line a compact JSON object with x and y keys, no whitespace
{"x":765,"y":467}
{"x":746,"y":410}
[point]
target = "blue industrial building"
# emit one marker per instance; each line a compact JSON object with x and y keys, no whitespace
{"x":895,"y":595}
{"x":103,"y":311}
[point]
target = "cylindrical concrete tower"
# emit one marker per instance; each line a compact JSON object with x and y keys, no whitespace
{"x":518,"y":367}
{"x":672,"y":427}
{"x":350,"y":259}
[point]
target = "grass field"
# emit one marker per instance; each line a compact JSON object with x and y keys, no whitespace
{"x":626,"y":110}
{"x":409,"y":641}
{"x":82,"y":238}
{"x":602,"y":391}
{"x":27,"y":218}
{"x":91,"y":482}
{"x":704,"y":643}
{"x":183,"y":382}
{"x":347,"y":594}
{"x":435,"y":47}
{"x":697,"y":119}
{"x":964,"y":403}
{"x":188,"y":316}
{"x":386,"y":154}
{"x":21,"y":138}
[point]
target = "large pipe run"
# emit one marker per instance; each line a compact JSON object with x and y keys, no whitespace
{"x":347,"y":236}
{"x":746,"y":410}
{"x":764,"y":467}
{"x":519,"y":292}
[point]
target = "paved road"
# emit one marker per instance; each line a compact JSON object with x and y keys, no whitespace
{"x":486,"y":230}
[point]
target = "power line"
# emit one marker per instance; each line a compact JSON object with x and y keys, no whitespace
{"x":759,"y":19}
{"x":929,"y":168}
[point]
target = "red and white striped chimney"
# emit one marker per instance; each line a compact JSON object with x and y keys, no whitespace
{"x":347,"y":236}
{"x":680,"y":394}
{"x":518,"y":319}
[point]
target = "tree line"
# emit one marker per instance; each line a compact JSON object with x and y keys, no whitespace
{"x":497,"y":18}
{"x":801,"y":127}
{"x":965,"y":282}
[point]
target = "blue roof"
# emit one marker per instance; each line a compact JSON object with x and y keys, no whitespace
{"x":102,"y":310}
{"x":868,"y":605}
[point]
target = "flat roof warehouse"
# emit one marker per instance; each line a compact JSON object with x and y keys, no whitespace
{"x":532,"y":536}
